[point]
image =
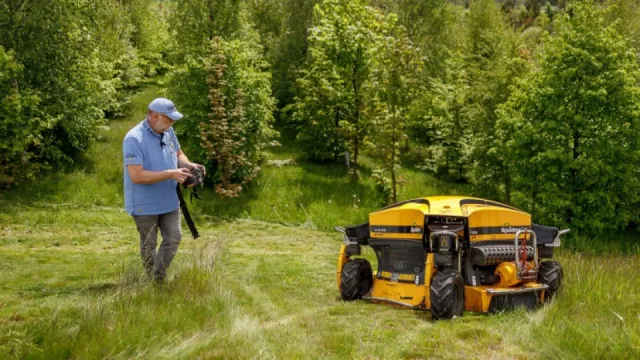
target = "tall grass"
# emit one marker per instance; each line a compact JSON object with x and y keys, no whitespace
{"x":131,"y":318}
{"x":246,"y":285}
{"x":598,"y":313}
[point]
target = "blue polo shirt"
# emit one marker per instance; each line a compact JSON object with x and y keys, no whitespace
{"x":155,"y":152}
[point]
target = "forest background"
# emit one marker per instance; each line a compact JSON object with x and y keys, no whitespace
{"x":532,"y":104}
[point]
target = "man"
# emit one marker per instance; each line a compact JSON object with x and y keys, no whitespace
{"x":154,"y":164}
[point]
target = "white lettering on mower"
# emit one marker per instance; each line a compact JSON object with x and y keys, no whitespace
{"x":511,"y":230}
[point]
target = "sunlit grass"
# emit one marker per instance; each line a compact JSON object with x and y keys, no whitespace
{"x":246,"y":285}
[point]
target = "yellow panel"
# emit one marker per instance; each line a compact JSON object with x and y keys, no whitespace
{"x":397,"y":217}
{"x":406,"y":277}
{"x":476,"y":299}
{"x":496,"y":224}
{"x":407,"y":293}
{"x":342,"y":259}
{"x":379,"y":235}
{"x":401,"y":277}
{"x":403,"y":223}
{"x":445,"y":205}
{"x":429,"y":270}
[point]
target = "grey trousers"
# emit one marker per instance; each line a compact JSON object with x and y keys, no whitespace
{"x":169,"y":224}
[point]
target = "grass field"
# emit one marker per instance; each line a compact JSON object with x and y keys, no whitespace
{"x":260,"y":282}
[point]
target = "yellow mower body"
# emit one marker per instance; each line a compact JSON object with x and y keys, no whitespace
{"x":429,"y":247}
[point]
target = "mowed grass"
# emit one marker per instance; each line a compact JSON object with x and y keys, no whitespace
{"x":252,"y":289}
{"x":261,"y":281}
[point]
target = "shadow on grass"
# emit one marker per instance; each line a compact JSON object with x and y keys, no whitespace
{"x":39,"y":292}
{"x":212,"y":205}
{"x":621,"y":242}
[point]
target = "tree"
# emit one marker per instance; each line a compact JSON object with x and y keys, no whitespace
{"x":623,"y":14}
{"x":58,"y":46}
{"x":395,"y":84}
{"x":222,"y":136}
{"x":149,"y":34}
{"x":78,"y":59}
{"x":197,"y":22}
{"x":439,"y":120}
{"x":225,"y":94}
{"x":330,"y":102}
{"x":432,"y":27}
{"x":290,"y":47}
{"x":21,"y":124}
{"x":572,"y":127}
{"x":496,"y":59}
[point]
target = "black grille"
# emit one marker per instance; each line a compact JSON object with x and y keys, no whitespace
{"x":400,"y":258}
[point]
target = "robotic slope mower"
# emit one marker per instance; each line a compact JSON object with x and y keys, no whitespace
{"x":450,"y":254}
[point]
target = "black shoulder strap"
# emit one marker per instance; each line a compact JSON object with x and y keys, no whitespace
{"x":185,"y":213}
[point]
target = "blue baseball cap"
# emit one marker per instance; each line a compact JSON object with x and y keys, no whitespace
{"x":166,"y":107}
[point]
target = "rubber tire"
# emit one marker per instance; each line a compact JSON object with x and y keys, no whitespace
{"x":447,"y":295}
{"x":550,"y":273}
{"x":356,"y":279}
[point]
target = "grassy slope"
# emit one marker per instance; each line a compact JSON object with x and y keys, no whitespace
{"x":72,"y":286}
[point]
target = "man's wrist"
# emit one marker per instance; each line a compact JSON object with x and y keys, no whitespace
{"x":184,"y":164}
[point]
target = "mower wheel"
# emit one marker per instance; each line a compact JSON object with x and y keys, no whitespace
{"x":356,"y":279}
{"x":447,"y":294}
{"x":550,"y":273}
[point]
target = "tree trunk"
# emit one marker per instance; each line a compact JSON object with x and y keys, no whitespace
{"x":507,"y":187}
{"x":573,"y":174}
{"x":393,"y":162}
{"x":336,"y":136}
{"x":356,"y":120}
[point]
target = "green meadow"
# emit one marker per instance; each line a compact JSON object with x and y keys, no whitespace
{"x":260,"y":282}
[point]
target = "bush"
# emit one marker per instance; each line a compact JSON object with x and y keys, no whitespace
{"x":21,"y":124}
{"x":228,"y":121}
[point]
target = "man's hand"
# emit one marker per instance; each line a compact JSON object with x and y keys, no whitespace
{"x":194,"y":165}
{"x":179,"y":175}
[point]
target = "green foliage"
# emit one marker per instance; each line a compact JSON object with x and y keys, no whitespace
{"x":285,"y":40}
{"x":572,"y":127}
{"x":78,"y":59}
{"x":440,"y":120}
{"x":497,"y":58}
{"x":383,"y":188}
{"x":331,"y":97}
{"x":225,"y":94}
{"x":196,"y":22}
{"x":434,"y":27}
{"x":623,"y":14}
{"x":150,"y":35}
{"x":21,"y":123}
{"x":456,"y":118}
{"x":65,"y":68}
{"x":395,"y":84}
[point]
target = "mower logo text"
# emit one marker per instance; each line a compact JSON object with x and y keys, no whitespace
{"x":511,"y":230}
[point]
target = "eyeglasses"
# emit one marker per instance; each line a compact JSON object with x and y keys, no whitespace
{"x":171,"y":121}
